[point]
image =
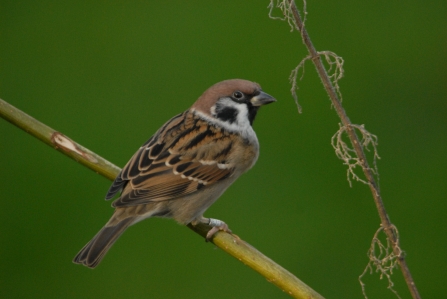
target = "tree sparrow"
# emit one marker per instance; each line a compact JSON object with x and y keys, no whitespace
{"x":186,"y":166}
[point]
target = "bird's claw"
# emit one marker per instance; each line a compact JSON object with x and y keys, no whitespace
{"x":217,"y":225}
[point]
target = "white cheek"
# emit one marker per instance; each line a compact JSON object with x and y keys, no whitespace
{"x":213,"y":110}
{"x":242,"y":116}
{"x":241,"y":125}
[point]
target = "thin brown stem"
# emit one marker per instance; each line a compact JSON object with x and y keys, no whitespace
{"x":229,"y":243}
{"x":385,"y":221}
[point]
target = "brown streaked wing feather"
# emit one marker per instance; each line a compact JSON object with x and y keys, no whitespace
{"x":151,"y":150}
{"x":132,"y":168}
{"x":183,"y":160}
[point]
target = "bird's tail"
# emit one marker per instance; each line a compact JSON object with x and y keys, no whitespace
{"x":94,"y":251}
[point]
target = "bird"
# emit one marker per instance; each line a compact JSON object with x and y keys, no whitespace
{"x":186,"y":165}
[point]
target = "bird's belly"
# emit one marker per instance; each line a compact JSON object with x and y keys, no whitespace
{"x":185,"y":210}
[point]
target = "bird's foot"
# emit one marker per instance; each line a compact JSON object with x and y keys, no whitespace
{"x":216,"y":224}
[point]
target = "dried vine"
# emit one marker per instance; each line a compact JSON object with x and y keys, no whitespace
{"x":353,"y":155}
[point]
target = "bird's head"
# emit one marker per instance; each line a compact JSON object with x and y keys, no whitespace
{"x":233,"y":102}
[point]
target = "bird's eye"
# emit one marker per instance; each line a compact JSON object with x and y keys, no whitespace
{"x":238,"y":95}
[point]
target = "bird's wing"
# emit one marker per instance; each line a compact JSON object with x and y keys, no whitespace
{"x":185,"y":155}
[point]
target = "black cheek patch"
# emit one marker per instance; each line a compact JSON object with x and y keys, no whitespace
{"x":228,"y":114}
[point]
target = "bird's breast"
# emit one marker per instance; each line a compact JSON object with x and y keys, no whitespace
{"x":245,"y":151}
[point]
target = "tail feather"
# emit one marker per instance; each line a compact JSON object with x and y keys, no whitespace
{"x":95,"y":250}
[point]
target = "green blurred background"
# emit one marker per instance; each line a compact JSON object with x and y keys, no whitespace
{"x":108,"y":74}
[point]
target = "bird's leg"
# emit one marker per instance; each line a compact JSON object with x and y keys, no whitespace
{"x":216,"y":225}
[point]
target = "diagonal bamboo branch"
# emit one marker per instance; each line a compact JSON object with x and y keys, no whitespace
{"x":388,"y":227}
{"x":231,"y":244}
{"x":58,"y":141}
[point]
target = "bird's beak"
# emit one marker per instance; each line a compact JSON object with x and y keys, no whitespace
{"x":262,"y":99}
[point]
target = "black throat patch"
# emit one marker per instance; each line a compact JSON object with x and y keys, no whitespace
{"x":252,"y":110}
